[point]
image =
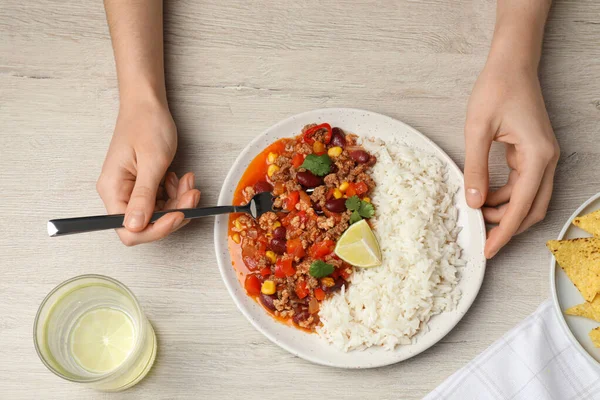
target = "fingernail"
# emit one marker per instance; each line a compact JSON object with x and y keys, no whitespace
{"x":474,"y":198}
{"x":135,"y":220}
{"x":196,"y":199}
{"x":192,"y":181}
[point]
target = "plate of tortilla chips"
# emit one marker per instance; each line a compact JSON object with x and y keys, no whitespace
{"x":575,"y":277}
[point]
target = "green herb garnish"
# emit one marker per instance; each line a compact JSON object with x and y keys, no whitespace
{"x":318,"y":165}
{"x":361,"y":209}
{"x":366,"y":210}
{"x":355,"y":217}
{"x":319,"y":269}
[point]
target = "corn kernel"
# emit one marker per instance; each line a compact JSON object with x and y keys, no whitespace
{"x":276,"y":224}
{"x":271,"y":158}
{"x":337,"y":193}
{"x":334,"y":151}
{"x":366,"y":199}
{"x":272,"y":169}
{"x":236,"y":238}
{"x":318,"y":147}
{"x":268,"y":287}
{"x":329,"y":282}
{"x":238,"y":225}
{"x":344,"y":186}
{"x":271,"y":256}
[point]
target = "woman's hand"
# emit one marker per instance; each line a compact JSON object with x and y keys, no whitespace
{"x":141,"y":150}
{"x":507,"y":106}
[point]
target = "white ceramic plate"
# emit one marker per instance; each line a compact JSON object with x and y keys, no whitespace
{"x":566,"y":295}
{"x":310,"y":346}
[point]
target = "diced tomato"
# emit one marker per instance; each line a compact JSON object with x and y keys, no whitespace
{"x":285,"y":221}
{"x":319,"y":294}
{"x":290,"y":202}
{"x":329,"y":193}
{"x":305,"y":198}
{"x":361,"y":188}
{"x":297,"y":160}
{"x":251,"y":263}
{"x":294,"y":248}
{"x":303,"y":216}
{"x":261,"y":248}
{"x":335,"y":274}
{"x":351,"y":191}
{"x":321,"y":249}
{"x":278,"y":189}
{"x":302,"y":289}
{"x":283,"y":268}
{"x":252,"y":285}
{"x":265,"y":272}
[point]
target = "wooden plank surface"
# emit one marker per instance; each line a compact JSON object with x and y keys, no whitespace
{"x":234,"y":69}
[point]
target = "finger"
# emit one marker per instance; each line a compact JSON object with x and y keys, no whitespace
{"x":502,"y":195}
{"x":541,"y":202}
{"x":493,"y":215}
{"x":158,"y":230}
{"x":171,"y":184}
{"x":189,"y":200}
{"x":186,"y":183}
{"x":160,"y":205}
{"x":478,"y":140}
{"x":143,"y":197}
{"x":522,"y":198}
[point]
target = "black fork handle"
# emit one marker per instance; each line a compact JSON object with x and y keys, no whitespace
{"x":69,"y":226}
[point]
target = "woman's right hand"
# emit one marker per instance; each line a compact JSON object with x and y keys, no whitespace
{"x":142,"y":148}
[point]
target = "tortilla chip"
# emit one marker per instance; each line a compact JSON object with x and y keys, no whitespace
{"x":595,"y":336}
{"x":587,"y":310}
{"x":580,"y":259}
{"x":589,"y":223}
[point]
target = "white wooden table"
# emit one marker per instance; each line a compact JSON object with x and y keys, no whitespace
{"x":234,"y":69}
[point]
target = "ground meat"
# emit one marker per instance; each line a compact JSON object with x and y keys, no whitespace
{"x":308,"y":322}
{"x":278,"y":202}
{"x":283,"y":162}
{"x":281,"y":303}
{"x":267,"y":220}
{"x":248,"y":193}
{"x":303,"y":148}
{"x":292,"y":186}
{"x":325,"y":222}
{"x":244,"y":221}
{"x":344,"y":164}
{"x":366,"y":178}
{"x":312,"y":282}
{"x":332,"y":181}
{"x":318,"y":196}
{"x":335,"y":232}
{"x":282,"y":175}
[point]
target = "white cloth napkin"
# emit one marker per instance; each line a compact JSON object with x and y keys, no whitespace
{"x":535,"y":360}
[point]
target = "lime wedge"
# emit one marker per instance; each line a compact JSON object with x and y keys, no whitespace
{"x":358,"y":246}
{"x":102,"y":339}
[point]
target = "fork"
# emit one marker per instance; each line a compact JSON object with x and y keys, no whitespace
{"x":259,"y":204}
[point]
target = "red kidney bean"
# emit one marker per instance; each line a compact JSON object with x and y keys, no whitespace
{"x":300,"y":316}
{"x":278,"y":245}
{"x":263,"y":186}
{"x":279,"y":232}
{"x":337,"y":137}
{"x":337,"y":286}
{"x":360,"y":156}
{"x":267,"y":301}
{"x":336,"y":205}
{"x":308,"y":179}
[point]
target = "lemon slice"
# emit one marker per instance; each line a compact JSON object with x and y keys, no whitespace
{"x":358,"y":246}
{"x":102,"y":339}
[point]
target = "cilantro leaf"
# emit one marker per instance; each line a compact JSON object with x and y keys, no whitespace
{"x":319,"y":269}
{"x":355,"y":217}
{"x":353,"y":203}
{"x":366,"y":210}
{"x":318,"y":165}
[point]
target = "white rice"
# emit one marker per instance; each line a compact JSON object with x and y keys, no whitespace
{"x":415,"y":223}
